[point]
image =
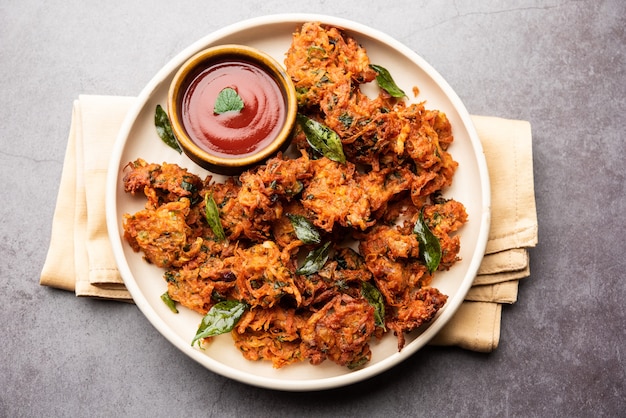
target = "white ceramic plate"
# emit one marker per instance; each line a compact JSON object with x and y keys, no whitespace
{"x":138,"y":139}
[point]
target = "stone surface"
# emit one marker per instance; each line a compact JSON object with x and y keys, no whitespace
{"x":559,"y":64}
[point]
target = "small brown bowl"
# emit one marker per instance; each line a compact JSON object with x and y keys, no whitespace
{"x":231,"y":139}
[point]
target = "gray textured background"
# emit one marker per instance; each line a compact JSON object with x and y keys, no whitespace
{"x":559,"y":64}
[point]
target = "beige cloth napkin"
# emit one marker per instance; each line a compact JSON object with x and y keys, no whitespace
{"x":80,"y":257}
{"x":508,"y":150}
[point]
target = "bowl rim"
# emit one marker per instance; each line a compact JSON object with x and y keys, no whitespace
{"x":249,"y":54}
{"x":145,"y":99}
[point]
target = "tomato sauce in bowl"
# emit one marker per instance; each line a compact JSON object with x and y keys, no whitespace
{"x":254,"y":121}
{"x":234,"y":132}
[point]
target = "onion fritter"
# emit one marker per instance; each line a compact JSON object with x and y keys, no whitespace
{"x":397,"y":167}
{"x":340,"y":331}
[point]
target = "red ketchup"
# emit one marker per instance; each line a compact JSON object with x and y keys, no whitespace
{"x":233,"y":133}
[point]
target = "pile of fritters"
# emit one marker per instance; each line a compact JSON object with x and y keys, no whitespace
{"x":397,"y":165}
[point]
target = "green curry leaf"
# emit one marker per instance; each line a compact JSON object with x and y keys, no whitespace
{"x":304,"y":229}
{"x":212,"y":215}
{"x":220,"y":319}
{"x":315,"y":260}
{"x":375,"y":298}
{"x":228,"y":100}
{"x":164,"y":129}
{"x":430,"y":248}
{"x":322,"y":139}
{"x":165,"y":297}
{"x":386,"y":82}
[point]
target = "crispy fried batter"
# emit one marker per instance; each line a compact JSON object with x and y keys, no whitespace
{"x":344,"y":273}
{"x":270,"y":334}
{"x":262,"y":276}
{"x":162,"y":234}
{"x":160,"y":183}
{"x":392,"y":258}
{"x":377,"y":132}
{"x":322,"y":58}
{"x":334,"y":196}
{"x":397,"y":166}
{"x":340,"y":331}
{"x":416,"y":311}
{"x":205,"y":279}
{"x":444,"y":219}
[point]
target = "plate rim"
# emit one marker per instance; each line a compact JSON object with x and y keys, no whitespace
{"x":267,"y":382}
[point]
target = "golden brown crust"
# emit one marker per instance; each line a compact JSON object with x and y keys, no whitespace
{"x":397,"y":166}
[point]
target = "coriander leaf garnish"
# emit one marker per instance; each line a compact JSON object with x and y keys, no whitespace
{"x":212,"y":215}
{"x":304,"y":229}
{"x":220,"y":319}
{"x":228,"y":100}
{"x":430,"y":249}
{"x":322,"y":139}
{"x":164,"y":129}
{"x":386,"y":82}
